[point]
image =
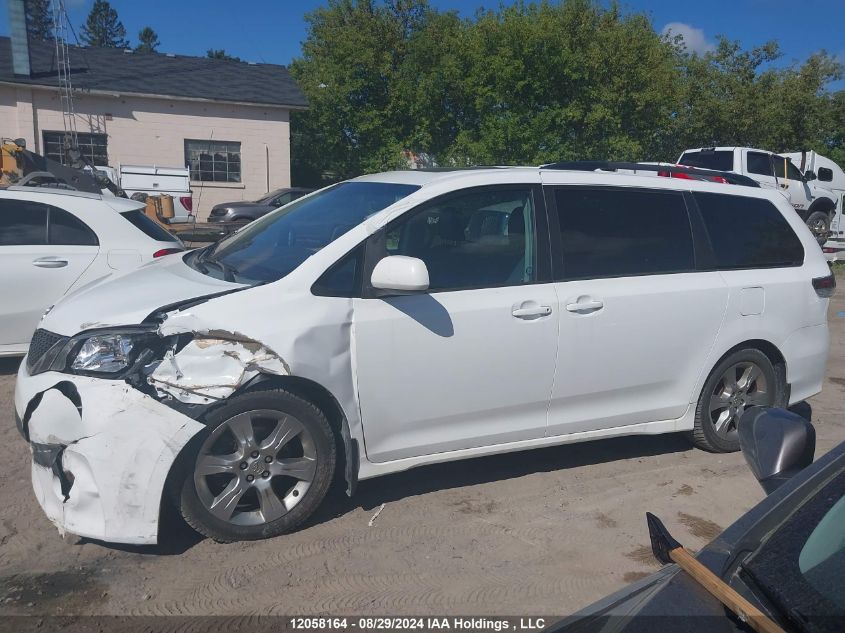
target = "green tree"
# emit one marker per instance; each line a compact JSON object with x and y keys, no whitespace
{"x":147,"y":40}
{"x":220,"y":53}
{"x":534,"y":83}
{"x":103,"y":28}
{"x":39,"y":19}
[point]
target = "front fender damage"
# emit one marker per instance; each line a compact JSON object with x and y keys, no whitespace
{"x":102,"y":449}
{"x":212,"y":366}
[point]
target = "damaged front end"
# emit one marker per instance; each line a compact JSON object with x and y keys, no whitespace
{"x":108,"y":411}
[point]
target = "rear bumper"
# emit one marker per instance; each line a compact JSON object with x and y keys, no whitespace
{"x":806,"y":351}
{"x":101,"y":453}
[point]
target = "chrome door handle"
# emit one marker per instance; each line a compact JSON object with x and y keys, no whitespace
{"x":50,"y":262}
{"x":585,"y":306}
{"x":533,"y":311}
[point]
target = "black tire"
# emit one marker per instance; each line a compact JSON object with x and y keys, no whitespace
{"x":819,"y":224}
{"x":194,"y":487}
{"x":715,"y":430}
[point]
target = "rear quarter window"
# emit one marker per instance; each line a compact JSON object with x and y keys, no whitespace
{"x":140,"y":221}
{"x":748,"y":232}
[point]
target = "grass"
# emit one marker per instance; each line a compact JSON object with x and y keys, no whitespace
{"x":838,"y":268}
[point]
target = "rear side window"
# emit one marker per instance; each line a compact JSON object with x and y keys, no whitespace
{"x":140,"y":221}
{"x":722,"y":160}
{"x":67,"y":230}
{"x":22,"y":223}
{"x":623,"y":232}
{"x":748,"y":232}
{"x":759,"y":163}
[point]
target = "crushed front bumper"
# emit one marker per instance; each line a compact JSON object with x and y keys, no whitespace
{"x":101,"y":453}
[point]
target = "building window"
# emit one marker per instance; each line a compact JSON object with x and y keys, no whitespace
{"x":213,"y":161}
{"x":94,"y":147}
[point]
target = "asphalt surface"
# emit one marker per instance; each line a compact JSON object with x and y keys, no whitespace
{"x":538,"y":532}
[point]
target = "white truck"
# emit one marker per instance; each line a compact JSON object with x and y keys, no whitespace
{"x":140,"y":181}
{"x":830,"y":176}
{"x":815,"y":203}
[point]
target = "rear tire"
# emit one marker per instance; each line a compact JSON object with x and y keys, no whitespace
{"x":745,"y":378}
{"x":819,"y":224}
{"x":261,"y":468}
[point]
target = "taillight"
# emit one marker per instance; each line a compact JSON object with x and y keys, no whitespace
{"x":187,"y":202}
{"x":166,"y":251}
{"x":824,"y":286}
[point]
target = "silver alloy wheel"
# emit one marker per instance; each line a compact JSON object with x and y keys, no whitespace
{"x":742,"y":385}
{"x":255,"y":467}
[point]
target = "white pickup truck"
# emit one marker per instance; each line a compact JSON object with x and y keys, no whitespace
{"x":139,"y":181}
{"x":814,"y":202}
{"x":830,"y":176}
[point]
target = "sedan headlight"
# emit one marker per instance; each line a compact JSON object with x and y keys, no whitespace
{"x":105,"y":353}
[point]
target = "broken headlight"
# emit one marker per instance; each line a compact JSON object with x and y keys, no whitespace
{"x":103,"y":352}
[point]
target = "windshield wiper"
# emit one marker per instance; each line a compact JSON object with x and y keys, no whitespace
{"x":202,"y":259}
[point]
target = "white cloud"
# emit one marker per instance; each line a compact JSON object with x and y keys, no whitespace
{"x":694,"y":38}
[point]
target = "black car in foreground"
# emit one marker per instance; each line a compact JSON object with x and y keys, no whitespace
{"x":245,"y":211}
{"x":786,"y":556}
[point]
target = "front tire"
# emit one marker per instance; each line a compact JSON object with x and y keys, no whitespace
{"x":743,"y":379}
{"x":819,"y":224}
{"x":260,"y":470}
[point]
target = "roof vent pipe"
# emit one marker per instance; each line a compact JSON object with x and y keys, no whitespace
{"x":20,"y":42}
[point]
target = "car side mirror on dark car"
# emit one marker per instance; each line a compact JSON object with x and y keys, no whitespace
{"x":777,"y":444}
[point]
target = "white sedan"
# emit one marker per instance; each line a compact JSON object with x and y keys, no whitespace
{"x":54,"y":241}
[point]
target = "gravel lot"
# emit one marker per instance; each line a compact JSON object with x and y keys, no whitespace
{"x":545,"y":531}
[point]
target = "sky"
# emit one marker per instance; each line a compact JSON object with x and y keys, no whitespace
{"x":271,"y":31}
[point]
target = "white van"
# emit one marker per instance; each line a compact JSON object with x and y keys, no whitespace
{"x":414,"y":317}
{"x":831,"y":176}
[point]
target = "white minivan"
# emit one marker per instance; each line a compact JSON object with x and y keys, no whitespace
{"x":414,"y":317}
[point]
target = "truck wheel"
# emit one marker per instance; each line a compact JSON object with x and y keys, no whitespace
{"x":819,"y":223}
{"x":262,"y":467}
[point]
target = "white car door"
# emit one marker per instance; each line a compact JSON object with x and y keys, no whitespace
{"x":43,"y":251}
{"x":792,"y":183}
{"x":470,"y":362}
{"x":637,"y":322}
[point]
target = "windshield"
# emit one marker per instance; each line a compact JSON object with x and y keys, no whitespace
{"x":800,"y":566}
{"x":268,"y":197}
{"x":273,"y":246}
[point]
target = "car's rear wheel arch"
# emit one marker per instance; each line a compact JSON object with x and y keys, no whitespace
{"x":772,"y":353}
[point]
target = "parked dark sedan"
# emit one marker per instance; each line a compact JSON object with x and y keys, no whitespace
{"x":786,"y":556}
{"x":245,"y":211}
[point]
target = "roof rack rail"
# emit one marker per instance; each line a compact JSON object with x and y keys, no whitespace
{"x":606,"y":165}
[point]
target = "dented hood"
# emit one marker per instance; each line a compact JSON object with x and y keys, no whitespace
{"x":128,"y":298}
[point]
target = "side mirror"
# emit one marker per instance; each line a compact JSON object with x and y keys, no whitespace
{"x":400,"y":275}
{"x":809,"y":175}
{"x":776,"y":444}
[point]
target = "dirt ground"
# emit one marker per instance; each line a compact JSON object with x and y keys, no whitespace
{"x":539,"y":532}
